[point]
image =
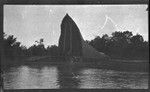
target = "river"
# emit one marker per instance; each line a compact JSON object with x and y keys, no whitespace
{"x":48,"y":76}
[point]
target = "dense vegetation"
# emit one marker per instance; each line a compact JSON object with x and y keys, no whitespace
{"x":122,"y":45}
{"x":13,"y":49}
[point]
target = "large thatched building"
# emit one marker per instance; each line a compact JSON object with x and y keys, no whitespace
{"x":71,"y":42}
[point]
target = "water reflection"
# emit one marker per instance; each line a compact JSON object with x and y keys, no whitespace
{"x":47,"y":76}
{"x":25,"y":77}
{"x":109,"y":79}
{"x":68,"y":76}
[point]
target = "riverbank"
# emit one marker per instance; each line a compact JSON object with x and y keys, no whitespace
{"x":113,"y":64}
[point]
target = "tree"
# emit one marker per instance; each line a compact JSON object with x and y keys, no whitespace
{"x":53,"y":50}
{"x":137,"y":39}
{"x":8,"y":46}
{"x":12,"y":48}
{"x":39,"y":49}
{"x":122,"y":45}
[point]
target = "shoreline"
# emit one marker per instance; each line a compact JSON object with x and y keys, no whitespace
{"x":113,"y":64}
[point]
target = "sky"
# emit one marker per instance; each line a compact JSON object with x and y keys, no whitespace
{"x":29,"y":23}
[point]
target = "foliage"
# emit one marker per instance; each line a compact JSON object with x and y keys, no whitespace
{"x":118,"y":45}
{"x":12,"y":49}
{"x":122,"y":45}
{"x":53,"y":50}
{"x":37,"y":50}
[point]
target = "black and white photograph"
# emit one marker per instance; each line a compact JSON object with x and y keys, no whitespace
{"x":75,"y":47}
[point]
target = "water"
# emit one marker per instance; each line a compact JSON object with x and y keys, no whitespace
{"x":47,"y":76}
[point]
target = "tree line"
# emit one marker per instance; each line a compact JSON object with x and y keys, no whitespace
{"x":13,"y":50}
{"x":122,"y":45}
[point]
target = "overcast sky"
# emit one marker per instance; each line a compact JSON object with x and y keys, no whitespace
{"x":31,"y":22}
